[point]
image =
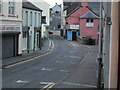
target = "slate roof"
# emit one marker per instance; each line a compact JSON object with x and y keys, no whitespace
{"x":73,"y":6}
{"x":89,"y":14}
{"x":29,"y":5}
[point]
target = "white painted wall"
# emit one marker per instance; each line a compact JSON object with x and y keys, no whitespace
{"x":13,"y":20}
{"x":46,"y":12}
{"x":31,"y":31}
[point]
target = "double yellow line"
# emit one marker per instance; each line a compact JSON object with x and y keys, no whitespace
{"x":47,"y":87}
{"x":28,"y":60}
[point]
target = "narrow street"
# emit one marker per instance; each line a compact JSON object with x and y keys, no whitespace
{"x":50,"y":69}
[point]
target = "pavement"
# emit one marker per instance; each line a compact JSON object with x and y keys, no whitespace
{"x":45,"y":48}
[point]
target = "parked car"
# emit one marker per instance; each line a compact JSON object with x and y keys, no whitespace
{"x":51,"y":32}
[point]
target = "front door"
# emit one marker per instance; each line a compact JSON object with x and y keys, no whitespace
{"x":74,"y":36}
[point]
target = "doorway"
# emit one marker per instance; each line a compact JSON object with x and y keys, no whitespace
{"x":74,"y":36}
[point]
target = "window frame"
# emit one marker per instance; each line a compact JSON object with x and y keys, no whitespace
{"x":35,"y":19}
{"x":0,"y":6}
{"x":26,"y":18}
{"x":24,"y":35}
{"x":31,"y":15}
{"x":11,"y":7}
{"x":39,"y":19}
{"x":89,"y":20}
{"x":43,"y":19}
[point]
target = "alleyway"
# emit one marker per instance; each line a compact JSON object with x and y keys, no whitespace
{"x":67,"y":65}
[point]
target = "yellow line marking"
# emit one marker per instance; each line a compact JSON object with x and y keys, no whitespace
{"x":72,"y":43}
{"x":50,"y":87}
{"x":47,"y":86}
{"x":32,"y":59}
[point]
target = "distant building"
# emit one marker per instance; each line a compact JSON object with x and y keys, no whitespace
{"x":56,"y":8}
{"x":82,"y":21}
{"x":31,"y":27}
{"x":55,"y":17}
{"x":68,"y":7}
{"x":10,"y":28}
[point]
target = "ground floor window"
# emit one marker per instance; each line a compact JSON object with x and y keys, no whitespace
{"x":24,"y":34}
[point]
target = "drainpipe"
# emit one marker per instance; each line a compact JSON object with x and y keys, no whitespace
{"x":28,"y":39}
{"x":100,"y":65}
{"x":34,"y":39}
{"x":40,"y":39}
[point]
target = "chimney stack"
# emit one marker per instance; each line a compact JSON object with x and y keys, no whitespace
{"x":84,"y":4}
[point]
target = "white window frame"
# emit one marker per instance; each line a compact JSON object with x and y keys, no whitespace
{"x":39,"y":23}
{"x":89,"y":22}
{"x":26,"y":18}
{"x":31,"y":15}
{"x":35,"y":19}
{"x":11,"y":7}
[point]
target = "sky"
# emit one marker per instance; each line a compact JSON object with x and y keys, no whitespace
{"x":52,"y":2}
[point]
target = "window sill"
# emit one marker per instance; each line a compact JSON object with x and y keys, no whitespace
{"x":2,"y":15}
{"x":11,"y":16}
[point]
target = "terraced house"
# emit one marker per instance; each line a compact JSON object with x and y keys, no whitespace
{"x":10,"y":27}
{"x":31,"y":27}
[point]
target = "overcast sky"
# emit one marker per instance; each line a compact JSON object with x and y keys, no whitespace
{"x":52,"y":2}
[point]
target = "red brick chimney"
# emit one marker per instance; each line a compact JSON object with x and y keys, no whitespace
{"x":84,"y":4}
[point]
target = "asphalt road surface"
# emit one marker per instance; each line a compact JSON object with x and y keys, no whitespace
{"x":47,"y":70}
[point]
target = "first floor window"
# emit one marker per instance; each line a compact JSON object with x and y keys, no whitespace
{"x":30,"y":18}
{"x":0,"y":6}
{"x":89,"y":20}
{"x":11,"y":7}
{"x":43,"y":19}
{"x":89,"y":23}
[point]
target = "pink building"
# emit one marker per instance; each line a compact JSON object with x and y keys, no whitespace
{"x":87,"y":20}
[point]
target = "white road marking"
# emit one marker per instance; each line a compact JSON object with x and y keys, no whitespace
{"x":47,"y":83}
{"x":79,"y":84}
{"x":21,"y":81}
{"x":63,"y":70}
{"x":46,"y":69}
{"x":73,"y":57}
{"x":59,"y":62}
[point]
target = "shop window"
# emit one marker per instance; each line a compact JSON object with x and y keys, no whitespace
{"x":11,"y":7}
